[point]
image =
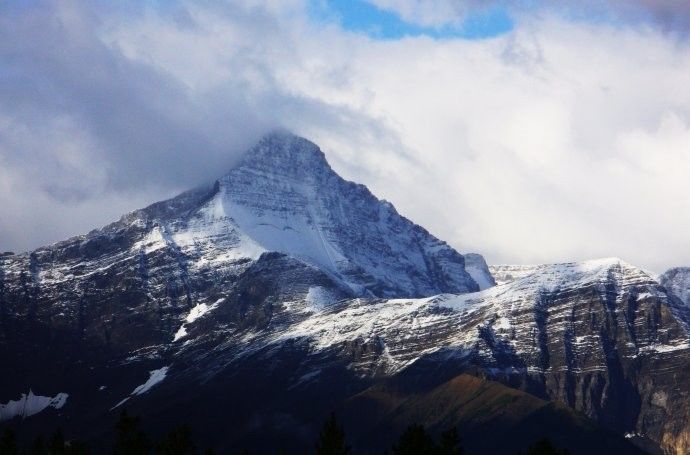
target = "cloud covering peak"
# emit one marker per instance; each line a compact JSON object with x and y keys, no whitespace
{"x":559,"y":140}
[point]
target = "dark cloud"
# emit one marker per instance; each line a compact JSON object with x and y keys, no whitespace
{"x":140,"y":125}
{"x":92,"y":108}
{"x":671,"y":15}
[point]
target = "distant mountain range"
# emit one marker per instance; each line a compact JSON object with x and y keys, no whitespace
{"x":254,"y":306}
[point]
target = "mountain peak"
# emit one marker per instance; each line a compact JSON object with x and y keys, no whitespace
{"x":283,"y":152}
{"x":284,"y":197}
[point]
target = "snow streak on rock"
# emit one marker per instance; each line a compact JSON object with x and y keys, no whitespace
{"x":28,"y":405}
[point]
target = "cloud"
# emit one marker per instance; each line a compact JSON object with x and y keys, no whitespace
{"x":561,"y":140}
{"x":553,"y":156}
{"x":130,"y":102}
{"x":134,"y":123}
{"x":433,"y":13}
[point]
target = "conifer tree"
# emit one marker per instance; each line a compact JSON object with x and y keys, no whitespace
{"x":56,"y":445}
{"x":332,"y":439}
{"x":74,"y":447}
{"x":38,"y":447}
{"x":415,"y":441}
{"x":178,"y":442}
{"x":130,"y":439}
{"x":450,"y":443}
{"x":545,"y":447}
{"x":8,"y":443}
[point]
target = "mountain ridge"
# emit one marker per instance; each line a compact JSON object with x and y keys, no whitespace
{"x":284,"y":280}
{"x":297,"y":170}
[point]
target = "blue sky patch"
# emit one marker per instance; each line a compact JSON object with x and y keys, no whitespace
{"x":361,"y":16}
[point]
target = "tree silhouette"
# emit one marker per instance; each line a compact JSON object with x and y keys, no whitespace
{"x":59,"y":446}
{"x":8,"y":443}
{"x":131,"y":439}
{"x":74,"y":447}
{"x":56,"y":445}
{"x":332,"y":439}
{"x":545,"y":447}
{"x":450,"y":443}
{"x":415,"y":441}
{"x":38,"y":447}
{"x":178,"y":442}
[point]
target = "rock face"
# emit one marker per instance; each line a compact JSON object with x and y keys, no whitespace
{"x":127,"y":285}
{"x":480,"y":408}
{"x":479,"y":271}
{"x":601,"y":336}
{"x":280,"y":227}
{"x":259,"y":303}
{"x":677,"y":281}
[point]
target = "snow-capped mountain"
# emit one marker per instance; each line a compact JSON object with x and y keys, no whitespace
{"x":137,"y":284}
{"x":258,"y":303}
{"x":166,"y":259}
{"x":601,"y":336}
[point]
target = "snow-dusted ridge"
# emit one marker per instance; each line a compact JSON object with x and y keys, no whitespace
{"x":283,"y":197}
{"x":407,"y":329}
{"x":284,"y":268}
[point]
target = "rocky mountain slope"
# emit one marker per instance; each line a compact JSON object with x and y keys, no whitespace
{"x":257,"y":304}
{"x":160,"y":262}
{"x":481,"y":408}
{"x":677,"y":281}
{"x":601,"y":336}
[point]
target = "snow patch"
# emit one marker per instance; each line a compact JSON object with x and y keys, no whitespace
{"x":299,"y":236}
{"x":153,"y":241}
{"x":662,"y":348}
{"x":181,"y":333}
{"x":461,"y":302}
{"x":28,"y":405}
{"x":200,"y":310}
{"x":319,"y":297}
{"x":194,"y":314}
{"x":155,"y":377}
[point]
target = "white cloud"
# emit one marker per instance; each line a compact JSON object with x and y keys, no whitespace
{"x":430,"y":13}
{"x":560,"y":141}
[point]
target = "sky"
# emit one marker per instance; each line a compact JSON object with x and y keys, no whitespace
{"x":528,"y":132}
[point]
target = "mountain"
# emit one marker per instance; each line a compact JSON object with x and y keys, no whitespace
{"x":281,"y":225}
{"x":481,"y":409}
{"x":254,"y":306}
{"x":601,"y":336}
{"x":677,"y":281}
{"x":479,"y":271}
{"x":162,"y":261}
